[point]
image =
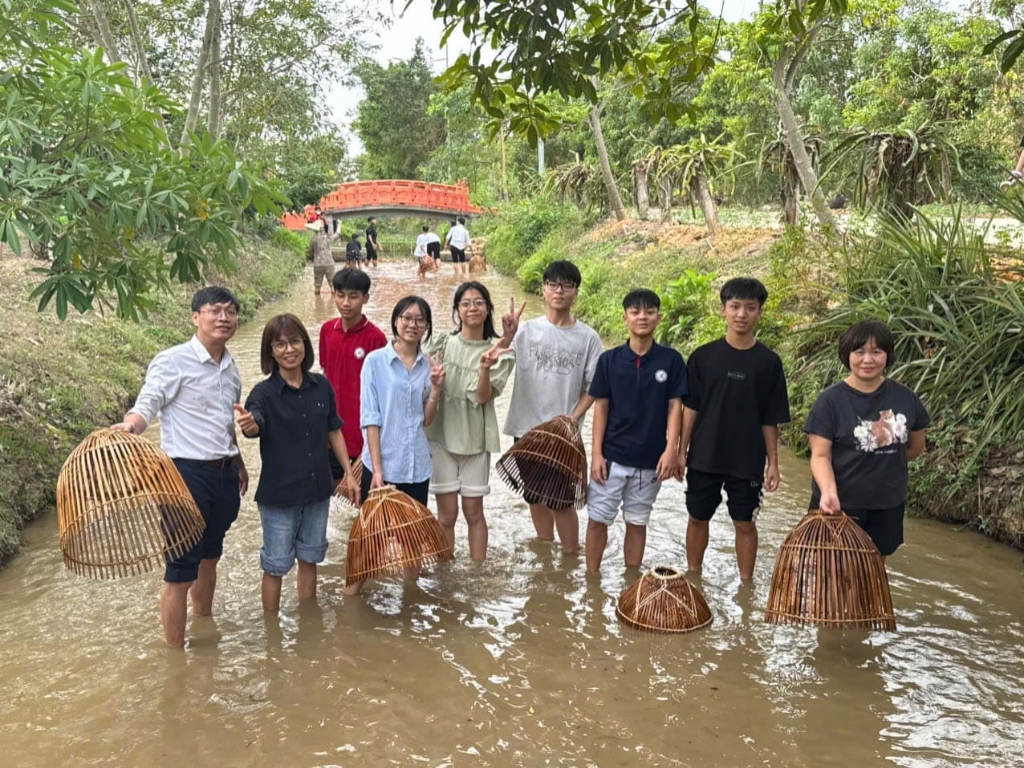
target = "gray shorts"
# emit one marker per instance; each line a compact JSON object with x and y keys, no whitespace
{"x":635,"y":490}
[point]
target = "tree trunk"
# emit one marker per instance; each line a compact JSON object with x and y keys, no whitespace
{"x":702,"y":191}
{"x":643,"y":195}
{"x":504,"y":167}
{"x":216,"y":92}
{"x":192,"y":116}
{"x":790,"y":204}
{"x":142,"y":70}
{"x":665,"y":197}
{"x":795,"y":141}
{"x":606,"y":167}
{"x":99,"y":13}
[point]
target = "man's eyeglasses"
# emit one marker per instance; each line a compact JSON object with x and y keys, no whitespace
{"x":229,"y":313}
{"x":559,"y":287}
{"x":413,"y":320}
{"x":282,"y":344}
{"x":472,"y":304}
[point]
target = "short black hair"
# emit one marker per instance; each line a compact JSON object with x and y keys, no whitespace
{"x":461,"y":219}
{"x":349,"y":279}
{"x":283,"y":326}
{"x":404,"y":304}
{"x":371,"y":219}
{"x":744,"y":288}
{"x":641,"y":298}
{"x":426,"y":228}
{"x":860,"y":333}
{"x":214,"y":294}
{"x":355,"y":236}
{"x":563,"y":271}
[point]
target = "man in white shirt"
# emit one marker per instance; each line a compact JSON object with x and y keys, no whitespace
{"x":194,"y":388}
{"x":457,"y":242}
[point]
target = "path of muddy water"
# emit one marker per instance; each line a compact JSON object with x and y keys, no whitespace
{"x":516,"y":661}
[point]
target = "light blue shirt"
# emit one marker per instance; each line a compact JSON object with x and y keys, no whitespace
{"x":392,"y":397}
{"x":194,"y":397}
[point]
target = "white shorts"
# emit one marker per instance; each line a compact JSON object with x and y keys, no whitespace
{"x":635,"y":490}
{"x":457,"y":473}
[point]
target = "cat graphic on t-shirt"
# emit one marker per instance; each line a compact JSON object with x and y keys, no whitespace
{"x":888,"y":430}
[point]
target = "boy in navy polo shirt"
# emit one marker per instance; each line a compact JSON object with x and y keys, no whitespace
{"x":638,"y":390}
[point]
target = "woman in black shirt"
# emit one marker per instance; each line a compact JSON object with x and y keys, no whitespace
{"x":863,"y":431}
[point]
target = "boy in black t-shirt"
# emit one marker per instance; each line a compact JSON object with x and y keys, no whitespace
{"x":737,"y":400}
{"x":372,"y":246}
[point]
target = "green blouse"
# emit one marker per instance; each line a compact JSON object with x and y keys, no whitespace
{"x":462,"y":425}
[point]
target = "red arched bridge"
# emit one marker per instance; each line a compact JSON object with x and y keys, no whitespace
{"x":384,"y":198}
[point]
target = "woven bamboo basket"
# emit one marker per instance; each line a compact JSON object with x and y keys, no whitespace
{"x":662,"y":600}
{"x":357,"y":475}
{"x":548,"y":463}
{"x":830,"y":573}
{"x":122,"y":507}
{"x":392,"y":532}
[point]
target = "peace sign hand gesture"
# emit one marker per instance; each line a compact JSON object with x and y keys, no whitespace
{"x":491,"y":356}
{"x":436,"y":370}
{"x":510,"y":321}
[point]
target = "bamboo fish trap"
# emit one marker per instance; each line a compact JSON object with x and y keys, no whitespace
{"x":548,"y":465}
{"x":830,"y":573}
{"x":392,"y":532}
{"x":356,"y":467}
{"x":662,"y":600}
{"x":122,"y":507}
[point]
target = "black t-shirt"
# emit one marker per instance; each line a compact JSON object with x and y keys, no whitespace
{"x":869,"y":433}
{"x":371,"y":238}
{"x":293,"y":432}
{"x":638,"y":390}
{"x":735,"y":392}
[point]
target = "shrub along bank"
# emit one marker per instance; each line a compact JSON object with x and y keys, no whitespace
{"x":955,"y":307}
{"x":59,"y":381}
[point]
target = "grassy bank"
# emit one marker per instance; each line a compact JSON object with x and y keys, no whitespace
{"x":954,"y":304}
{"x":59,"y":381}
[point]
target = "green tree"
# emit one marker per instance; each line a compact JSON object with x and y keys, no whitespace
{"x":394,"y":123}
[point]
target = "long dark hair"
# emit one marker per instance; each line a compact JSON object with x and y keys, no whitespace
{"x":404,"y":304}
{"x":473,"y":285}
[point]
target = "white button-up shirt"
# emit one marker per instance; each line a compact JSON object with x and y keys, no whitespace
{"x":458,"y":236}
{"x":194,"y":397}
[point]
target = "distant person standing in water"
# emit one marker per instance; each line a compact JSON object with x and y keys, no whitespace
{"x":457,"y":242}
{"x":434,"y":247}
{"x":319,"y":252}
{"x":372,"y":246}
{"x":193,"y":388}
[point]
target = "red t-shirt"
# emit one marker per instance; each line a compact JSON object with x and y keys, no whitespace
{"x":341,"y":358}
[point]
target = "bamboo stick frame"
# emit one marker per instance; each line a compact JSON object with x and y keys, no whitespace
{"x":548,"y":463}
{"x":662,"y":600}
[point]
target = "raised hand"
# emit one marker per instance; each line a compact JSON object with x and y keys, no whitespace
{"x":491,"y":356}
{"x":510,"y":321}
{"x":436,"y":370}
{"x":246,"y":422}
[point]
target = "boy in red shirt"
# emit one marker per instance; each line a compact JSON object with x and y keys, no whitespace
{"x":344,"y":344}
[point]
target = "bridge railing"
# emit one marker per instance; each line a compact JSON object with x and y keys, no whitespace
{"x":411,"y":194}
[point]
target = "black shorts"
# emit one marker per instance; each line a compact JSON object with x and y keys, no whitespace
{"x":434,"y":250}
{"x":418,"y":491}
{"x":458,"y":255}
{"x":215,"y":490}
{"x":884,"y":526}
{"x":704,"y":494}
{"x":371,"y":254}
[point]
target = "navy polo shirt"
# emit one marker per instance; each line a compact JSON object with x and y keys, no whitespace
{"x":293,"y":432}
{"x":638,"y":390}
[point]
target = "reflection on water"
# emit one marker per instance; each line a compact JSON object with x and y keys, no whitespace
{"x":518,"y":660}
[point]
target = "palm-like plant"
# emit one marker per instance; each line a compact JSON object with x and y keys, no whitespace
{"x":578,"y":182}
{"x":778,"y":156}
{"x":694,"y":166}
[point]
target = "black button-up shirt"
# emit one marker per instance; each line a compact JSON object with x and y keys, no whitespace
{"x":293,"y":435}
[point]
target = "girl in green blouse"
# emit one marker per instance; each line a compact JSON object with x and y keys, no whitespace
{"x":465,"y":432}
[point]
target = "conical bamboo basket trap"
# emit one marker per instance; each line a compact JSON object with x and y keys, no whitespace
{"x":356,"y":468}
{"x":662,"y":600}
{"x":122,"y":506}
{"x":549,"y":464}
{"x":830,"y":573}
{"x":391,"y":533}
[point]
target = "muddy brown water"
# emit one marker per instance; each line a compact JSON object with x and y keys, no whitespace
{"x":516,"y":661}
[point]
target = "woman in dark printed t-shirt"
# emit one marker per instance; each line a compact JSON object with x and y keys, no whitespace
{"x":863,"y":431}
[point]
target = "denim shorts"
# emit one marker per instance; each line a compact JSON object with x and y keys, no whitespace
{"x":290,"y":532}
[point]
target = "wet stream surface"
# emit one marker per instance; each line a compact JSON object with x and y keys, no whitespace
{"x":516,"y":661}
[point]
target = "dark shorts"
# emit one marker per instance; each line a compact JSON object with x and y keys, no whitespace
{"x":884,"y":526}
{"x":215,"y":491}
{"x":531,"y":498}
{"x":458,"y":255}
{"x":371,"y":254}
{"x":704,"y":494}
{"x":434,"y":250}
{"x":418,"y":491}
